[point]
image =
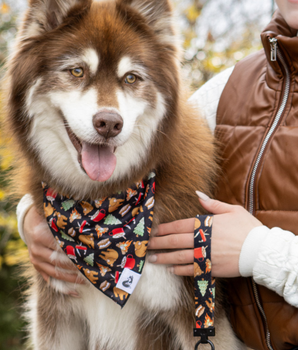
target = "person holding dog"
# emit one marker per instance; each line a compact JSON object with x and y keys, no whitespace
{"x":256,"y":125}
{"x":255,"y":117}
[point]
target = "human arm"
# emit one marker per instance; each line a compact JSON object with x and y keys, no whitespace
{"x":241,"y":246}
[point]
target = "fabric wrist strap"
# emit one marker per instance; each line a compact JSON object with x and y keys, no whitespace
{"x":203,"y":282}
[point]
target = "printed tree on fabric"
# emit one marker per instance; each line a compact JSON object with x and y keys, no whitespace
{"x":66,"y":237}
{"x":140,"y":228}
{"x":203,"y":285}
{"x":68,"y":204}
{"x":112,"y":220}
{"x":140,"y":266}
{"x":90,"y":259}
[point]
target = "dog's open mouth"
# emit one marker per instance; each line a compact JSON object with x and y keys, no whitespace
{"x":97,"y":160}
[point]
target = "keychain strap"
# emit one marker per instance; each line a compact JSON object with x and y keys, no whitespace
{"x":203,"y":282}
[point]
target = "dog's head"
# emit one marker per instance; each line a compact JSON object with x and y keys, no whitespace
{"x":91,"y":85}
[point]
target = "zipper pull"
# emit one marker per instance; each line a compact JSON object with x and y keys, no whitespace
{"x":273,"y":45}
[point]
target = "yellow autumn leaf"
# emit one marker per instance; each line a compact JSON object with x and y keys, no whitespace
{"x":9,"y":222}
{"x":6,"y":157}
{"x":5,"y":8}
{"x":16,"y":257}
{"x":192,"y":13}
{"x":2,"y":195}
{"x":6,"y":163}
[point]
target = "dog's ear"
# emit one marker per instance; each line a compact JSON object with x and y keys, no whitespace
{"x":158,"y":14}
{"x":46,"y":15}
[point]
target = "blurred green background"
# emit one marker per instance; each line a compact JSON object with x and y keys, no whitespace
{"x":215,"y":35}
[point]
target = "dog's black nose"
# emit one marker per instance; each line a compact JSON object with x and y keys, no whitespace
{"x":108,"y":124}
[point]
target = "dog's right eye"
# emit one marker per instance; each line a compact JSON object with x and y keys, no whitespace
{"x":77,"y":72}
{"x":130,"y":79}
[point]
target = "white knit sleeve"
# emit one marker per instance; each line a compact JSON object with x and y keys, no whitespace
{"x":22,"y":208}
{"x":206,"y":98}
{"x":271,"y":257}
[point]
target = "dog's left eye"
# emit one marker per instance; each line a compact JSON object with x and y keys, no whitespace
{"x":130,"y":79}
{"x":77,"y":72}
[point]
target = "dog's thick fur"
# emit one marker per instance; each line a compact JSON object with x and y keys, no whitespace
{"x":161,"y":131}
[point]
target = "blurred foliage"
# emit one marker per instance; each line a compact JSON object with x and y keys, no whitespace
{"x":12,"y":253}
{"x":218,"y":33}
{"x":211,"y":44}
{"x":12,"y":248}
{"x":8,"y":17}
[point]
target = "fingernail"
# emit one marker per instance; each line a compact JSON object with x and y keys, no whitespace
{"x":202,"y":196}
{"x":74,"y":294}
{"x":152,"y":258}
{"x":171,"y":270}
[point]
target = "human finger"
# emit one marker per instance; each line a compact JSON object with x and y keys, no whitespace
{"x":44,"y":276}
{"x":178,"y":226}
{"x":179,"y":257}
{"x":44,"y":254}
{"x":173,"y":241}
{"x":215,"y":206}
{"x":31,"y":221}
{"x":51,"y":271}
{"x":182,"y":270}
{"x":42,"y":236}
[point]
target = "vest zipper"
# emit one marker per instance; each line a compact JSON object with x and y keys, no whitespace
{"x":273,"y":46}
{"x":275,"y":53}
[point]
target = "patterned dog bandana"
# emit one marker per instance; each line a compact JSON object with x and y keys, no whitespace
{"x":107,"y":238}
{"x":203,"y":282}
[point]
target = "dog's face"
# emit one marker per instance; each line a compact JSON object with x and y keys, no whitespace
{"x":97,"y":81}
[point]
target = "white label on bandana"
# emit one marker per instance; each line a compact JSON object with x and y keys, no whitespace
{"x":128,"y":280}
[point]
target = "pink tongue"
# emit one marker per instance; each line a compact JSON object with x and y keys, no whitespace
{"x":99,"y":162}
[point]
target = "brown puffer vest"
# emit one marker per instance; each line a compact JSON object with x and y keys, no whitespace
{"x":257,"y":125}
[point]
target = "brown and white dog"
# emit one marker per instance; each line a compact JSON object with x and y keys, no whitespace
{"x":95,"y":102}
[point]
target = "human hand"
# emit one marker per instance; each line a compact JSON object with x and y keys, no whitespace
{"x":231,"y":225}
{"x":42,"y":248}
{"x":178,"y":238}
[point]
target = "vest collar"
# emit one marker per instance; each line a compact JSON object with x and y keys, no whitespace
{"x":287,"y":43}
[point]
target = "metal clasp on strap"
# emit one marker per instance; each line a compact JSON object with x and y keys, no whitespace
{"x":204,"y":334}
{"x":208,"y":341}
